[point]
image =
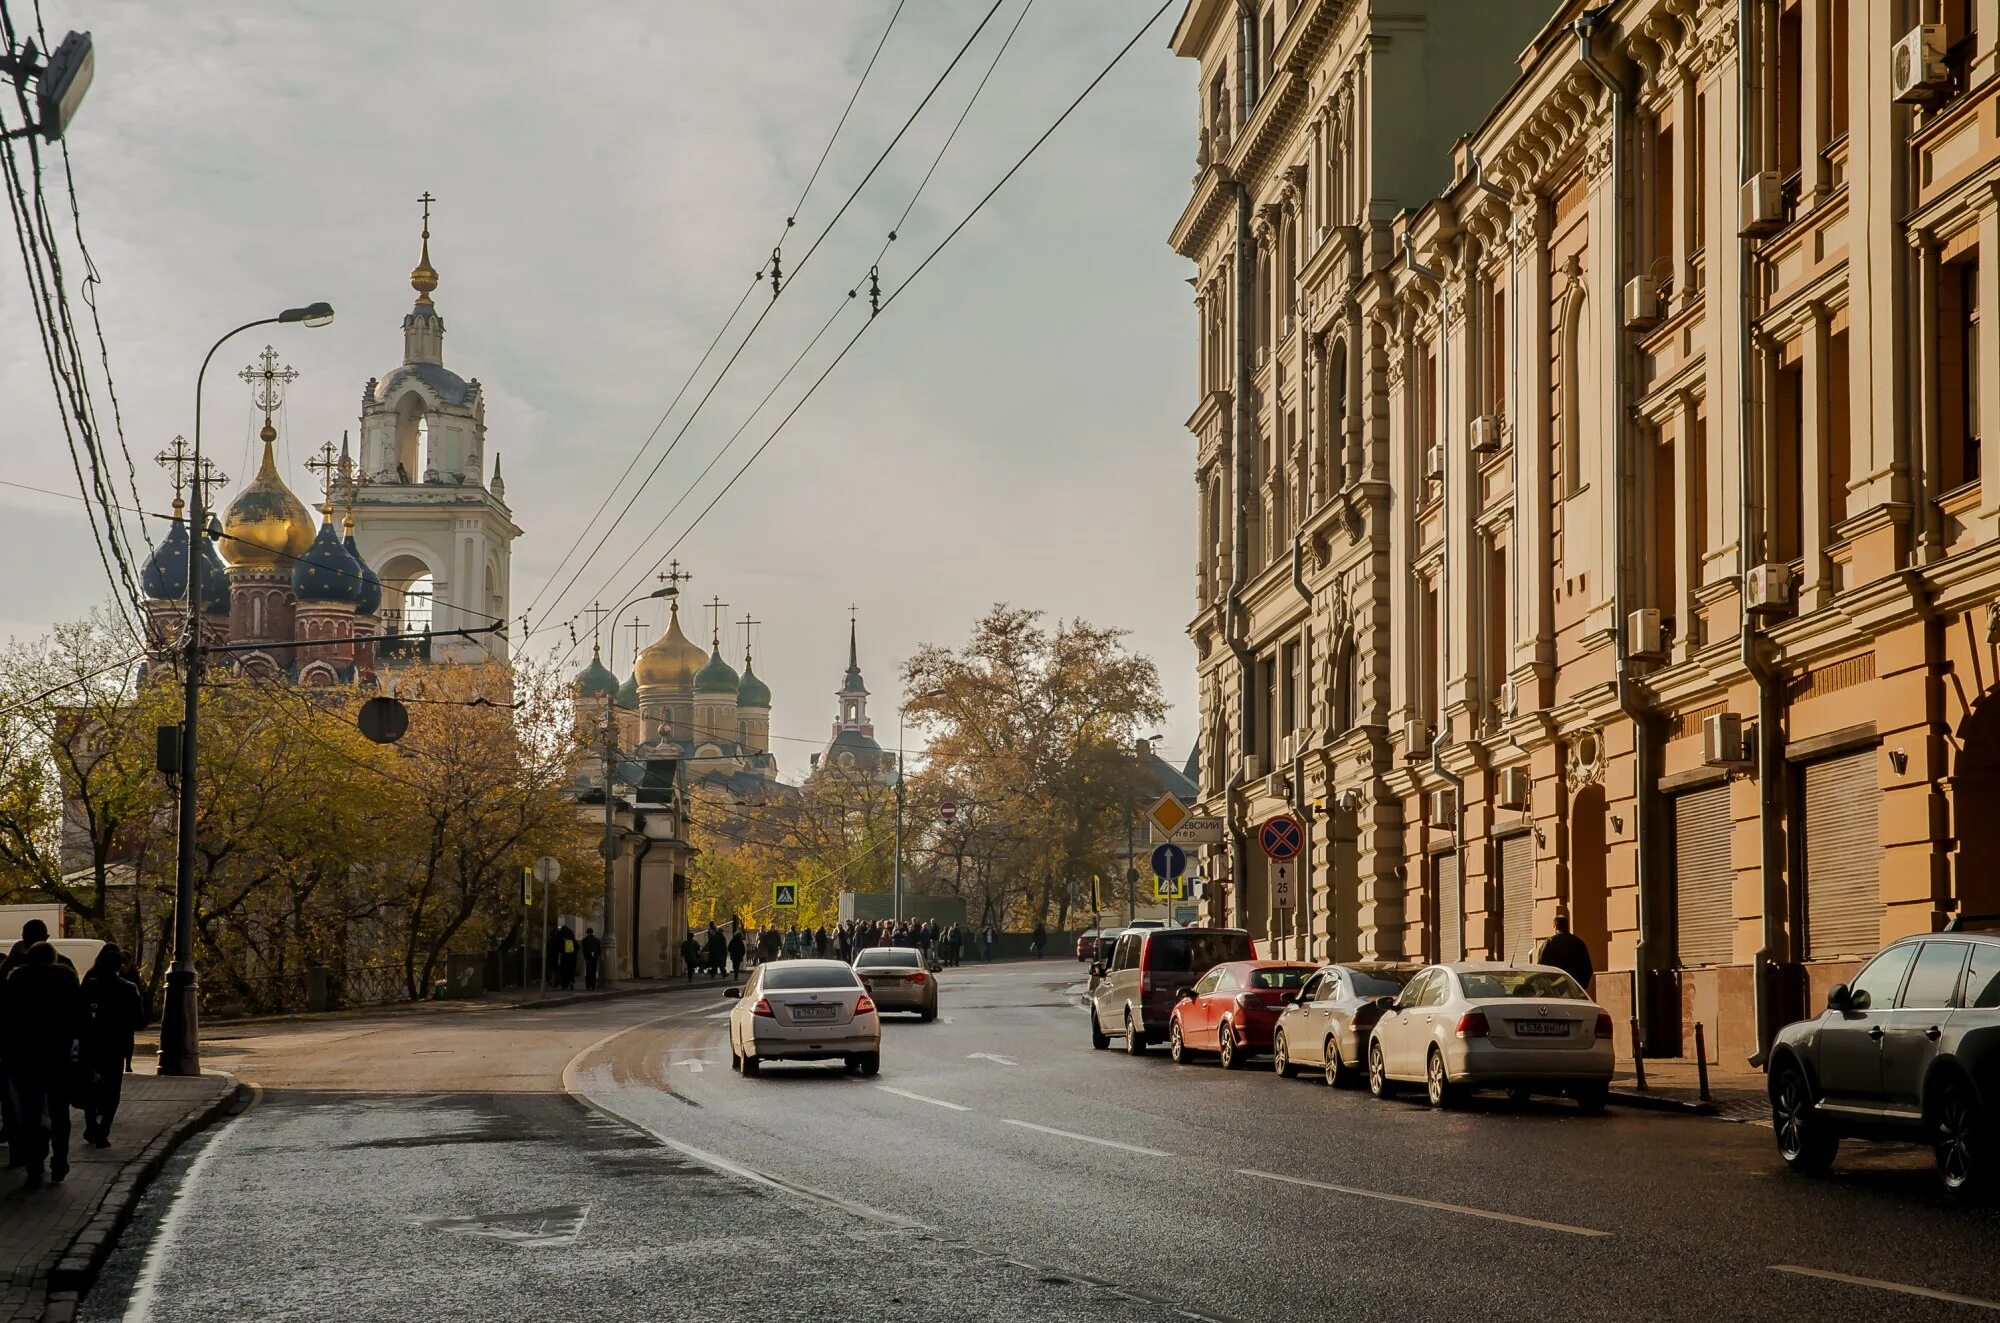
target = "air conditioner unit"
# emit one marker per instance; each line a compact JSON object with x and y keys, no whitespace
{"x":1416,"y":735}
{"x":1486,"y":432}
{"x":1722,"y":741}
{"x":1642,"y":302}
{"x":1510,"y":788}
{"x":1434,"y":462}
{"x":1441,"y":808}
{"x":1645,"y":640}
{"x":1253,"y":767}
{"x":1763,"y":204}
{"x":1767,"y":590}
{"x":1287,"y":749}
{"x":1917,"y":71}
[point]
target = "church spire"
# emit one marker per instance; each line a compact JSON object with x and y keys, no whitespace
{"x":853,"y":683}
{"x":423,"y":329}
{"x":424,"y":277}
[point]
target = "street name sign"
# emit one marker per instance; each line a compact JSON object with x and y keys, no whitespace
{"x":1192,"y":831}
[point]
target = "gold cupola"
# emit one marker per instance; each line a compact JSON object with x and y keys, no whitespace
{"x":670,"y":661}
{"x":266,"y":527}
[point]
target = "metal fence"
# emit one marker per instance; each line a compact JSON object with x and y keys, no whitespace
{"x":314,"y":989}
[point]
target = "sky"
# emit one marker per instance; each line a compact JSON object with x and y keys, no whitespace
{"x":610,"y":176}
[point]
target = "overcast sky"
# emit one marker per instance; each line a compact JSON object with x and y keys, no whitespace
{"x":610,"y":175}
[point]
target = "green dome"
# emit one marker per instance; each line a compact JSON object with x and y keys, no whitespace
{"x":718,"y":677}
{"x":596,"y":681}
{"x":752,"y":692}
{"x":628,"y":694}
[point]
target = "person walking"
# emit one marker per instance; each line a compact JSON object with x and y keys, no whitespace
{"x":1569,"y":953}
{"x":1038,"y":939}
{"x":690,"y":954}
{"x":843,"y":942}
{"x":568,"y":949}
{"x":770,"y":944}
{"x":593,"y":954}
{"x":736,"y":954}
{"x":44,"y":1019}
{"x":112,"y":1014}
{"x":718,"y":950}
{"x":992,"y":940}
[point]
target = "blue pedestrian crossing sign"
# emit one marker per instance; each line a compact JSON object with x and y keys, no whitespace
{"x":1169,"y":860}
{"x":785,"y":896}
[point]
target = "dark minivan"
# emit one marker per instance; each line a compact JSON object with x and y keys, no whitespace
{"x":1133,"y":996}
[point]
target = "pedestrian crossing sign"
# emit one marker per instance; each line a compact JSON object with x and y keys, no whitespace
{"x":1169,"y":888}
{"x":785,"y":896}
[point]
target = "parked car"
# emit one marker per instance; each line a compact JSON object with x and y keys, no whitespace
{"x":1133,"y":996}
{"x":1086,"y":946}
{"x":1233,"y":1009}
{"x":1908,"y":1051}
{"x":1475,"y":1024}
{"x":1107,"y":941}
{"x":804,"y":1010}
{"x":895,"y":976}
{"x":1327,"y":1025}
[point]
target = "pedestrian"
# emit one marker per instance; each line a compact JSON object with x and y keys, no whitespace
{"x":552,"y":952}
{"x":593,"y":953}
{"x":843,"y":942}
{"x":992,"y":940}
{"x":1569,"y":953}
{"x":112,"y":1014}
{"x":44,"y":1017}
{"x":718,"y":950}
{"x":568,"y":948}
{"x":770,"y":944}
{"x":736,"y":954}
{"x":1038,"y":939}
{"x":690,"y":954}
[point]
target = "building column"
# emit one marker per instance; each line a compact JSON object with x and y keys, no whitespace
{"x":1814,"y":516}
{"x":1816,"y":44}
{"x":1988,"y":366}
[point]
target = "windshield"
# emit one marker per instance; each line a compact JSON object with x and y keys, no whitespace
{"x":1292,"y":976}
{"x":1182,"y":952}
{"x":1547,"y":983}
{"x":1378,"y":983}
{"x":800,"y":978}
{"x":886,"y":960}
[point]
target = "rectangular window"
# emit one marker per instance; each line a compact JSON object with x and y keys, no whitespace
{"x":1782,"y":501}
{"x":1836,"y":80}
{"x":1697,"y":154}
{"x":1495,"y":399}
{"x":1666,"y":485}
{"x":1498,"y":620}
{"x":1839,"y":432}
{"x":1267,"y":704}
{"x":1660,"y":182}
{"x":1428,"y":658}
{"x":1291,"y":680}
{"x":1958,"y":370}
{"x":1791,"y":80}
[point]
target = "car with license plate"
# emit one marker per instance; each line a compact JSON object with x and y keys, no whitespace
{"x":804,"y":1010}
{"x":1908,"y":1051}
{"x":1233,"y":1009}
{"x":1328,"y":1024}
{"x":896,"y":977}
{"x":1484,"y":1024}
{"x":1132,"y":997}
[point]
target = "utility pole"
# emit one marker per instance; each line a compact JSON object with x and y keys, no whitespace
{"x":1131,"y":873}
{"x":898,"y":889}
{"x":607,"y":962}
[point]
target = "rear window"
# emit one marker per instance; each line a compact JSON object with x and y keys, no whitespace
{"x":1184,"y":951}
{"x":1547,"y":983}
{"x":803,"y":978}
{"x":1379,"y":983}
{"x":886,"y":960}
{"x":1280,"y":978}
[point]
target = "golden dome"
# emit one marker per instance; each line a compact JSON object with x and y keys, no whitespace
{"x":671,"y":660}
{"x":266,"y":527}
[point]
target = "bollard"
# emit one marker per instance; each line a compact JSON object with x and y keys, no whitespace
{"x":1701,"y":1059}
{"x":1638,"y":1058}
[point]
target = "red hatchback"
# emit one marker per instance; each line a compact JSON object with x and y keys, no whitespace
{"x":1233,"y":1008}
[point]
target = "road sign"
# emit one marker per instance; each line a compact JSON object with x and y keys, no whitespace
{"x":1169,"y":888}
{"x":527,"y":886}
{"x":1283,"y":895}
{"x":1169,"y":860}
{"x":547,"y":869}
{"x":1282,"y":837}
{"x":1167,"y":813}
{"x":1192,"y":831}
{"x":785,"y":896}
{"x":947,"y":812}
{"x":383,"y":719}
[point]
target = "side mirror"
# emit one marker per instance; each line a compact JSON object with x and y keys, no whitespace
{"x":1840,"y":998}
{"x":732,"y":992}
{"x":1183,"y":994}
{"x":1290,"y":999}
{"x":1389,"y":1003}
{"x":1097,"y":971}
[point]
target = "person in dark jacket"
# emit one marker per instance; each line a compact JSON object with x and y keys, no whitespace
{"x":736,"y":953}
{"x":112,"y":1014}
{"x":44,"y":1020}
{"x":1038,"y":940}
{"x":593,"y":956}
{"x":718,"y":949}
{"x":690,"y":954}
{"x":1568,"y":952}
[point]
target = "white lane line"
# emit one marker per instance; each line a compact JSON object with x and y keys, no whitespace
{"x":140,"y":1307}
{"x":717,"y":1015}
{"x":1924,"y":1291}
{"x":988,"y":1056}
{"x":694,"y":1066}
{"x":918,"y":1097}
{"x":946,"y":1019}
{"x":1487,"y":1213}
{"x":1088,"y":1139}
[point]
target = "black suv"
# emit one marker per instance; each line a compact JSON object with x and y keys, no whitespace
{"x":1910,"y":1050}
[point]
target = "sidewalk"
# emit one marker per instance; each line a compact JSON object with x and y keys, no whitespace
{"x":516,"y":999}
{"x":53,"y":1239}
{"x":1736,"y":1093}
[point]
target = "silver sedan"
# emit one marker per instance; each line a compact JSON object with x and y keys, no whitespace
{"x":804,"y":1010}
{"x":897,"y":978}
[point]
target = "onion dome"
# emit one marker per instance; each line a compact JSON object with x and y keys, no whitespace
{"x":369,"y":600}
{"x":718,"y":676}
{"x":671,"y":660}
{"x":628,"y":694}
{"x":164,"y":576}
{"x":752,"y":692}
{"x":214,"y":581}
{"x":327,"y":572}
{"x":266,"y":527}
{"x":596,"y":680}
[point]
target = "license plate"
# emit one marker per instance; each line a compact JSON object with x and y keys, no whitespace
{"x":813,"y":1012}
{"x":1541,"y":1028}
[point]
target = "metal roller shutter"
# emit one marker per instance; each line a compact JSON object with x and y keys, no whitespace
{"x":1451,"y":908}
{"x":1517,"y":897}
{"x":1704,"y":879}
{"x":1843,"y":857}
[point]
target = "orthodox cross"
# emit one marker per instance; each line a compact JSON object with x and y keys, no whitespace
{"x":638,"y":628}
{"x":716,"y":606}
{"x":211,"y":478}
{"x":267,"y":380}
{"x":427,"y":199}
{"x":178,"y":458}
{"x":749,"y":639}
{"x":327,"y":464}
{"x":674,"y":577}
{"x":596,"y":612}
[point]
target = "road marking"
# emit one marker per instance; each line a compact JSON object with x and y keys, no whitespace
{"x":1487,"y":1213}
{"x":918,"y":1097}
{"x":1924,"y":1291}
{"x":717,"y":1015}
{"x":1088,"y":1139}
{"x":694,"y":1066}
{"x":988,"y":1056}
{"x":140,"y":1307}
{"x":946,"y":1019}
{"x":545,"y":1228}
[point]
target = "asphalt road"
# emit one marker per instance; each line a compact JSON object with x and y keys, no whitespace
{"x":997,"y":1168}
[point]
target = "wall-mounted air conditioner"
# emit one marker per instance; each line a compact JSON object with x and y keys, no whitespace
{"x":1763,"y":204}
{"x":1441,"y":809}
{"x":1416,"y":736}
{"x":1642,"y":302}
{"x":1645,"y":638}
{"x":1253,"y":767}
{"x":1434,"y":462}
{"x":1767,"y":590}
{"x":1510,"y":788}
{"x":1917,"y":71}
{"x":1486,"y":434}
{"x":1722,"y":741}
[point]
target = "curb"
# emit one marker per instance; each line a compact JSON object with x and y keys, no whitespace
{"x":78,"y":1266}
{"x":1653,"y":1102}
{"x":423,"y":1006}
{"x":617,"y":994}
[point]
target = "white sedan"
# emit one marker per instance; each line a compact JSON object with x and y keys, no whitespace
{"x":1525,"y":1028}
{"x":804,"y":1010}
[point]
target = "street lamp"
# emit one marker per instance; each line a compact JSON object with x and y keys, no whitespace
{"x":180,"y":1027}
{"x":608,"y":962}
{"x":1140,"y":748}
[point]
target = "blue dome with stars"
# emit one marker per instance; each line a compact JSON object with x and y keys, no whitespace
{"x":327,"y":573}
{"x":369,"y":601}
{"x":214,"y":581}
{"x":164,"y":577}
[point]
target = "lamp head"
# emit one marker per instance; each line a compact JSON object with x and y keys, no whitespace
{"x":313,"y":314}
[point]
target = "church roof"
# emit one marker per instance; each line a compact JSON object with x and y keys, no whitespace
{"x":327,"y":573}
{"x":854,"y":740}
{"x":596,"y":679}
{"x":852,"y":684}
{"x":753,"y":692}
{"x":369,"y":600}
{"x":164,"y":577}
{"x":717,"y":677}
{"x":442,"y":382}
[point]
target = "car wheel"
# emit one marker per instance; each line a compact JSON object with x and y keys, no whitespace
{"x":1176,"y":1048}
{"x":1804,"y":1141}
{"x":1379,"y":1082}
{"x":1959,"y":1141}
{"x":1339,"y":1075}
{"x":1591,"y":1098}
{"x":1281,"y":1057}
{"x":751,"y":1065}
{"x":1438,"y":1087}
{"x":1227,"y":1054}
{"x":869,"y":1062}
{"x":930,"y":1012}
{"x":1098,"y":1038}
{"x":1135,"y":1038}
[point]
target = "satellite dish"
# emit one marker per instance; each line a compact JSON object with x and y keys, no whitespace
{"x":383,"y":720}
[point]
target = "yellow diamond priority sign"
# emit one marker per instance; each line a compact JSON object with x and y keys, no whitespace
{"x":1168,"y":814}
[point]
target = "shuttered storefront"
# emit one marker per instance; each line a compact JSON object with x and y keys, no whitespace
{"x":1704,"y":879}
{"x":1517,"y":897}
{"x":1842,"y":845}
{"x":1450,"y":908}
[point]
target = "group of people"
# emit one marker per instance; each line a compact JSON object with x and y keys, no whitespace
{"x":717,"y":954}
{"x":565,"y":950}
{"x":64,"y":1042}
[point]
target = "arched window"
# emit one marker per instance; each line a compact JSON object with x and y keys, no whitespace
{"x":413,"y":426}
{"x":415,"y":603}
{"x":1577,"y":386}
{"x":1332,"y":419}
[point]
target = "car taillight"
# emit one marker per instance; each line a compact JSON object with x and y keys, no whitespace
{"x":1246,"y":1002}
{"x":1145,"y":957}
{"x":1473,"y":1025}
{"x":1604,"y":1024}
{"x":917,"y":977}
{"x":866,"y":1006}
{"x":763,"y":1007}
